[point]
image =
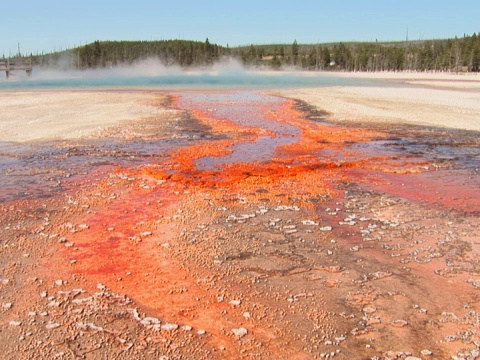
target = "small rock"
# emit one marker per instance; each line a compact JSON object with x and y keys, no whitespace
{"x":169,"y":327}
{"x":201,"y":332}
{"x":240,"y":332}
{"x":15,"y":323}
{"x":369,"y":309}
{"x":101,"y":287}
{"x":399,"y":323}
{"x":426,"y":352}
{"x":150,"y":321}
{"x":381,"y":274}
{"x":235,"y":302}
{"x":374,"y":320}
{"x":52,"y":326}
{"x":7,"y":305}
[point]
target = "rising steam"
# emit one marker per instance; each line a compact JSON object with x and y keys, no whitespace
{"x":152,"y":73}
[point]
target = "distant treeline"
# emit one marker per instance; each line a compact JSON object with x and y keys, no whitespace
{"x":103,"y":54}
{"x":458,"y":55}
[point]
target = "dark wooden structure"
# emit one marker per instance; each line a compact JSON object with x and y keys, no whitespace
{"x":15,"y":64}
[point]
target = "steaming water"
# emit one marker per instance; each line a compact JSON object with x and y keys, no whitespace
{"x":226,"y":78}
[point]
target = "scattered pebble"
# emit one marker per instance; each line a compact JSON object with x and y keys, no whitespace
{"x":169,"y":327}
{"x":52,"y":326}
{"x":101,"y":287}
{"x":7,"y":305}
{"x":399,"y":323}
{"x":240,"y":332}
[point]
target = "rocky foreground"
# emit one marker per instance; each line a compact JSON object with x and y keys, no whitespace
{"x":349,"y":243}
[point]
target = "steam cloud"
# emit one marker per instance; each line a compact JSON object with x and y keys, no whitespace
{"x":152,"y":73}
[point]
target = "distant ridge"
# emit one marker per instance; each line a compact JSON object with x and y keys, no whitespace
{"x":452,"y":55}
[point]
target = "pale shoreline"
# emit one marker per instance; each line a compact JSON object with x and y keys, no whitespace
{"x":66,"y":115}
{"x":426,"y":99}
{"x":434,"y":99}
{"x":434,"y":79}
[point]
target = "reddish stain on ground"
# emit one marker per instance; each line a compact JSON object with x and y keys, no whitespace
{"x":128,"y":243}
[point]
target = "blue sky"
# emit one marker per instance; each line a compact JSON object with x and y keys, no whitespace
{"x":48,"y":25}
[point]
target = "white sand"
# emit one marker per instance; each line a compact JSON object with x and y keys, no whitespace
{"x":438,"y":100}
{"x":46,"y":115}
{"x":439,"y":79}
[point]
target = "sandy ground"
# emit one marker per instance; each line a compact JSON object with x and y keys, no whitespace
{"x":449,"y":80}
{"x":354,"y":243}
{"x":47,"y":115}
{"x":450,"y":101}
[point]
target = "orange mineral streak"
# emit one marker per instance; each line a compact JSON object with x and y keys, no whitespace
{"x":316,"y":136}
{"x":126,"y":247}
{"x":117,"y":249}
{"x":296,"y":162}
{"x":128,"y":243}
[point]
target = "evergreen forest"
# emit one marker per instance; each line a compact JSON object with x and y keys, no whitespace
{"x":453,"y":55}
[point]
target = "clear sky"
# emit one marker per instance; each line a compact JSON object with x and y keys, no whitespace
{"x":48,"y":25}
